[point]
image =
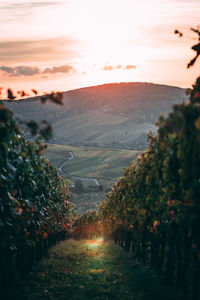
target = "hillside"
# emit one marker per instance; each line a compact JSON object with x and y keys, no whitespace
{"x":110,"y":115}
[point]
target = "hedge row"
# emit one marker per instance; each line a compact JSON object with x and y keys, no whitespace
{"x":34,"y":199}
{"x":154,"y":209}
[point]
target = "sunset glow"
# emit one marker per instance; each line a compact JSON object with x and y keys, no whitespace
{"x":70,"y":44}
{"x":93,"y":244}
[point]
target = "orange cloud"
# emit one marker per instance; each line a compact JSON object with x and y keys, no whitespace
{"x":118,"y":67}
{"x":108,"y":68}
{"x":130,"y":67}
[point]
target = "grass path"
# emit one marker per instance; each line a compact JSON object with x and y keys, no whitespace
{"x":90,"y":270}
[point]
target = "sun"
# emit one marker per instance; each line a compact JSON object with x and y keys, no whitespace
{"x":103,"y":29}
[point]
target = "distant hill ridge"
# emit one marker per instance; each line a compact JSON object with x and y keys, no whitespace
{"x":116,"y":115}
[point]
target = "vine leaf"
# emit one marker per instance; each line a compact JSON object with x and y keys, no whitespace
{"x":10,"y":95}
{"x":197,"y":49}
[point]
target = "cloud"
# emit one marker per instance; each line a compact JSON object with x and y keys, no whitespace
{"x":31,"y":71}
{"x":6,"y":69}
{"x":130,"y":67}
{"x":60,"y":69}
{"x":40,"y":3}
{"x":118,"y":67}
{"x":20,"y":70}
{"x":12,"y":9}
{"x":36,"y":50}
{"x":34,"y":3}
{"x":108,"y":68}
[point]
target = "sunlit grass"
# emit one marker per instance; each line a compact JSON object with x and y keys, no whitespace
{"x":100,"y":239}
{"x":94,"y":244}
{"x":74,"y":272}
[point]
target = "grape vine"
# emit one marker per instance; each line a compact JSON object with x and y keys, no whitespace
{"x":34,"y":200}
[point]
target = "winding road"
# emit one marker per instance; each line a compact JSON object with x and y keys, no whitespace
{"x":60,"y":168}
{"x":64,"y":162}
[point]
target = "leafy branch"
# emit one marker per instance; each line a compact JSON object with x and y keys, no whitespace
{"x":195,"y":47}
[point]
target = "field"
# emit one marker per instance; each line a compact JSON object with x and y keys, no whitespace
{"x":88,"y":165}
{"x":91,"y":162}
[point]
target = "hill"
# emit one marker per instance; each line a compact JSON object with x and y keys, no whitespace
{"x":110,"y":115}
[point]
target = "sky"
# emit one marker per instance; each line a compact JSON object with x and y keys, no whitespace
{"x":52,"y":45}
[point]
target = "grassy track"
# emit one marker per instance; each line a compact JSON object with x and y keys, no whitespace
{"x":88,"y":270}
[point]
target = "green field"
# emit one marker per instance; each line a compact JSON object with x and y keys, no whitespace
{"x":91,"y":162}
{"x":105,"y":165}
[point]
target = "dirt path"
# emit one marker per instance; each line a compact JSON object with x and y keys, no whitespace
{"x":90,"y":270}
{"x":65,"y":161}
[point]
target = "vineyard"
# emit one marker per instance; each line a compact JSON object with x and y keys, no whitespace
{"x":35,"y":211}
{"x":154,"y":209}
{"x":153,"y":212}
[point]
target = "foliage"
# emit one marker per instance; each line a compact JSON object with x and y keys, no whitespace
{"x":196,"y":47}
{"x":34,"y":198}
{"x":163,"y":183}
{"x":39,"y":131}
{"x":55,"y":97}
